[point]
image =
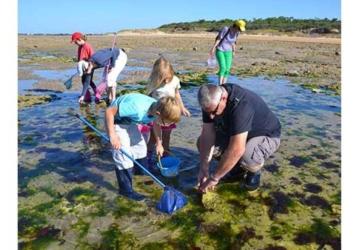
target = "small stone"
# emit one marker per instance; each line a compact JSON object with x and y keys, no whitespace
{"x":277,"y":53}
{"x":292,"y":73}
{"x":316,"y":90}
{"x":195,"y":49}
{"x":241,"y":48}
{"x":337,"y":53}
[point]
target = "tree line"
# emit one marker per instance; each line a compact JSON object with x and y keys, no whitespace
{"x":282,"y":24}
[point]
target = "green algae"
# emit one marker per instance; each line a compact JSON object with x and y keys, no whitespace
{"x":82,"y":195}
{"x":114,"y":238}
{"x":31,"y":100}
{"x":30,"y":221}
{"x":211,"y":201}
{"x":33,"y":59}
{"x":320,"y":232}
{"x":82,"y":227}
{"x":142,"y":83}
{"x":336,"y":198}
{"x":130,"y":90}
{"x":126,"y":207}
{"x":46,"y":207}
{"x":193,"y":78}
{"x":156,"y":246}
{"x":47,"y":237}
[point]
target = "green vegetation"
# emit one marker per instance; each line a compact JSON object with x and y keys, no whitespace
{"x":192,"y":78}
{"x":113,"y":238}
{"x":30,"y":100}
{"x":282,"y":24}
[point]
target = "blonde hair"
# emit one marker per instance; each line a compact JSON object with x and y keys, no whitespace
{"x":169,"y":109}
{"x":161,"y":73}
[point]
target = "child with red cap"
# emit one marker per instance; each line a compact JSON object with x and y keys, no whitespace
{"x":85,"y":51}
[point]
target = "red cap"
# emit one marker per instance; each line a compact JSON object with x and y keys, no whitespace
{"x":76,"y":36}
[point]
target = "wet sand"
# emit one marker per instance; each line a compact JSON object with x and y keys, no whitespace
{"x":311,"y":60}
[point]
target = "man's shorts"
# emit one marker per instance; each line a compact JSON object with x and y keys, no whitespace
{"x":258,"y":149}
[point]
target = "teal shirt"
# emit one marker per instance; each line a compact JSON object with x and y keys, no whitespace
{"x":133,"y":108}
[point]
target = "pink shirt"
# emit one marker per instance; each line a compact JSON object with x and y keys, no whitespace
{"x":85,"y":52}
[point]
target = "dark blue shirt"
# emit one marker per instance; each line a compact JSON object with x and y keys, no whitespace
{"x":245,"y":111}
{"x":105,"y":56}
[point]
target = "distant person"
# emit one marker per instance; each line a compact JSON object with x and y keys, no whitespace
{"x":162,"y":83}
{"x":114,"y":59}
{"x":85,"y":51}
{"x":239,"y":130}
{"x":121,"y":120}
{"x":224,"y":48}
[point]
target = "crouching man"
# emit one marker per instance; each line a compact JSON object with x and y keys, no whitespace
{"x":239,"y":130}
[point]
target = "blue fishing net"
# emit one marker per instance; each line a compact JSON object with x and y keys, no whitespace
{"x":171,"y":200}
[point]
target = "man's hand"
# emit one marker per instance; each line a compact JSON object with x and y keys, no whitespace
{"x":115,"y":142}
{"x":208,"y":185}
{"x":202,"y":176}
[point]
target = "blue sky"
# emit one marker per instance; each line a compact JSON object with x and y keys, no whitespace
{"x":67,"y":16}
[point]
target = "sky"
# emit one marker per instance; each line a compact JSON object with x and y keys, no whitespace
{"x":67,"y":16}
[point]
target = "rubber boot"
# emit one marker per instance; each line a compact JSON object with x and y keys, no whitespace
{"x":252,"y":180}
{"x":87,"y":97}
{"x":99,"y":91}
{"x":124,"y":178}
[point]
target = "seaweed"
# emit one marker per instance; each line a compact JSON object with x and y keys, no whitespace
{"x":321,"y":233}
{"x":114,"y":238}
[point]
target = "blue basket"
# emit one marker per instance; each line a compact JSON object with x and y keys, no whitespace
{"x":170,"y":166}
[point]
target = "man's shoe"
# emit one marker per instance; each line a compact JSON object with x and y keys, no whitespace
{"x":252,"y":181}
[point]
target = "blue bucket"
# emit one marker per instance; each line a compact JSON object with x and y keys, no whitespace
{"x":170,"y":166}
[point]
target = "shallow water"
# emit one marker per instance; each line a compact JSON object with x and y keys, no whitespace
{"x":57,"y":153}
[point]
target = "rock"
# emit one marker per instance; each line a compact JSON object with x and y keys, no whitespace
{"x":195,"y":49}
{"x":337,"y":53}
{"x":254,"y":64}
{"x":335,"y":31}
{"x":277,"y":53}
{"x":292,"y":73}
{"x":30,"y":100}
{"x":241,"y":48}
{"x":316,"y":90}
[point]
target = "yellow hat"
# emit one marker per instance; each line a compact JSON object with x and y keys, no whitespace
{"x":240,"y":24}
